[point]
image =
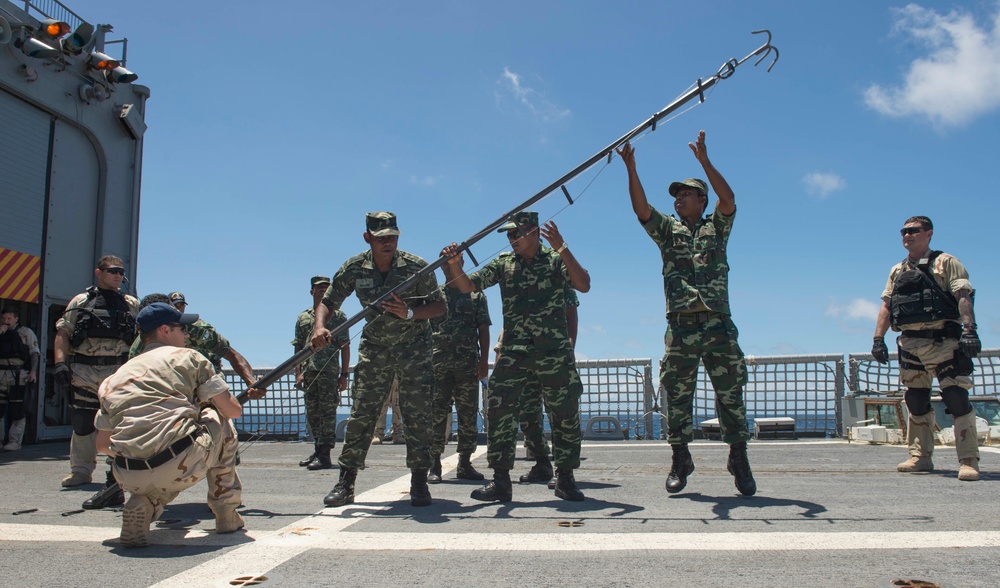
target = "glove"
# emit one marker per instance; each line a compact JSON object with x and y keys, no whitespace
{"x":880,"y":351}
{"x":970,"y":344}
{"x":61,"y":375}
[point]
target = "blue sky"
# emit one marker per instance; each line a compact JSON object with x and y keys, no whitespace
{"x":274,"y":128}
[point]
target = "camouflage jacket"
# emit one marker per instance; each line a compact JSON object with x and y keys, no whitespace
{"x":203,"y":338}
{"x":328,"y":358}
{"x":456,"y":333}
{"x":533,"y":296}
{"x":695,"y":266}
{"x":360,"y":275}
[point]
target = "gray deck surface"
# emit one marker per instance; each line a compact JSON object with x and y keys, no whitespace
{"x":827,"y":513}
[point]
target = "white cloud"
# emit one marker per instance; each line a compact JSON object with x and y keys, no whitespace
{"x":957,"y":81}
{"x":821,"y":185}
{"x":858,"y":309}
{"x":425,"y":181}
{"x":536,"y":104}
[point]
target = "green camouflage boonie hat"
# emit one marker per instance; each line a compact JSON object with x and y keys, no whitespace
{"x":316,"y":280}
{"x":381,"y":224}
{"x":523,"y":218}
{"x":691,"y":183}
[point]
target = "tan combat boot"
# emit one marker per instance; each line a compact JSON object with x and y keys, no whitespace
{"x":967,"y":447}
{"x":920,"y":438}
{"x":139,"y":513}
{"x":227,"y":520}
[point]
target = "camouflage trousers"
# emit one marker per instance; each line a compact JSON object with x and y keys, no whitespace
{"x":211,"y":456}
{"x":690,"y":339}
{"x":458,"y":386}
{"x":377,"y":366}
{"x":532,"y":422}
{"x":553,"y":373}
{"x":322,"y":397}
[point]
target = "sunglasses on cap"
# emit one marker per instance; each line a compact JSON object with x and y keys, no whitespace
{"x":120,"y":271}
{"x":911,"y":230}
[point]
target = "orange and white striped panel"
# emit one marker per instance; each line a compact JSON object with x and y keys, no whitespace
{"x":19,"y":275}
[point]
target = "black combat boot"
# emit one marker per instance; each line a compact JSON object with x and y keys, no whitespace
{"x":312,"y":457}
{"x":343,"y":492}
{"x":739,"y":467}
{"x":109,"y":495}
{"x":322,"y":459}
{"x":499,"y":490}
{"x":566,"y":486}
{"x":465,"y":470}
{"x":434,"y":474}
{"x":540,"y":472}
{"x":420,"y":494}
{"x":681,"y":467}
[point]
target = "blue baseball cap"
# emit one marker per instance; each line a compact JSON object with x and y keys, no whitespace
{"x":161,"y":313}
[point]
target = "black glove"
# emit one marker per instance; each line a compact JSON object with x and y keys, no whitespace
{"x":880,"y":351}
{"x":970,"y":344}
{"x":61,"y":375}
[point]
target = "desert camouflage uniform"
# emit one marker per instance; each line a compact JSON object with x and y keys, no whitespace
{"x":699,"y":327}
{"x":536,"y":353}
{"x":920,"y":360}
{"x":456,"y":360}
{"x":532,"y":420}
{"x":203,"y":338}
{"x":390,"y":346}
{"x":321,"y":376}
{"x":152,"y":402}
{"x":86,"y":379}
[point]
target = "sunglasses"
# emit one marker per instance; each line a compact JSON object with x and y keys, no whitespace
{"x":179,"y":326}
{"x":911,"y":230}
{"x":518,"y":233}
{"x":120,"y":271}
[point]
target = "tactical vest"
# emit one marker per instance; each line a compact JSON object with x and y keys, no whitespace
{"x":13,"y":349}
{"x":99,"y":321}
{"x":918,"y":298}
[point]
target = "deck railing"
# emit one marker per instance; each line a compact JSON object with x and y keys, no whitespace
{"x":807,"y":388}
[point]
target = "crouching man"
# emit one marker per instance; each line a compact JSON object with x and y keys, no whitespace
{"x":165,"y":417}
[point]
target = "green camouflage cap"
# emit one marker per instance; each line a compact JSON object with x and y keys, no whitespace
{"x":381,"y":224}
{"x":523,"y":218}
{"x":691,"y":183}
{"x":319,"y":280}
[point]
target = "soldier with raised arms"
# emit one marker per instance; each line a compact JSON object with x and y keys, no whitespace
{"x":699,"y":323}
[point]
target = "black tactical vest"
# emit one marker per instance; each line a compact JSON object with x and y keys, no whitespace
{"x":918,"y":298}
{"x":100,"y":320}
{"x":12,"y":347}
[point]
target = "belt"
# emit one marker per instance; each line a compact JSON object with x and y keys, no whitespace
{"x":950,"y":331}
{"x":100,"y":359}
{"x":691,"y":318}
{"x":158,"y":459}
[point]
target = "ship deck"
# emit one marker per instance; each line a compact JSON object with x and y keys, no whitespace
{"x":827,"y":513}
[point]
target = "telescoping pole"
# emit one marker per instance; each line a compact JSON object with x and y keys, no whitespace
{"x":376,"y":307}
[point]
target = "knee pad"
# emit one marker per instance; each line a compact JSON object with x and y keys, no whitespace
{"x":82,"y":421}
{"x":956,"y":400}
{"x":918,"y":401}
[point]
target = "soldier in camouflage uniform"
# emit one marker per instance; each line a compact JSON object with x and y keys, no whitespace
{"x":461,"y":359}
{"x":92,"y":340}
{"x":396,"y":343}
{"x":321,"y":378}
{"x":928,"y":299}
{"x":532,"y":419}
{"x":165,"y":417}
{"x":536,"y":350}
{"x":699,"y":327}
